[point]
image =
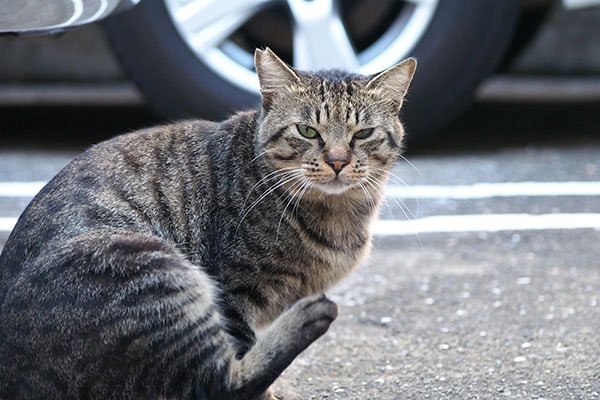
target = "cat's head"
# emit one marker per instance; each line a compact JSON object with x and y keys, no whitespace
{"x":330,"y":131}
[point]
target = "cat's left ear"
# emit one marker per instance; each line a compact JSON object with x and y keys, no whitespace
{"x":394,"y":81}
{"x":273,"y":74}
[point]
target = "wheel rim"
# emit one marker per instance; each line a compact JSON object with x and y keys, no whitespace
{"x":321,"y":37}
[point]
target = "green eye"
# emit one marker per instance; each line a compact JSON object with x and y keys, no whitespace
{"x":307,"y":131}
{"x":363,"y":133}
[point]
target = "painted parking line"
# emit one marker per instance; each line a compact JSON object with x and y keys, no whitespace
{"x":459,"y":192}
{"x":439,"y":223}
{"x":7,"y":224}
{"x":20,"y":189}
{"x":485,"y":223}
{"x":487,"y":190}
{"x":458,"y":223}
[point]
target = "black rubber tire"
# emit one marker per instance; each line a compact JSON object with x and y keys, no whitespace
{"x":465,"y":42}
{"x":531,"y":19}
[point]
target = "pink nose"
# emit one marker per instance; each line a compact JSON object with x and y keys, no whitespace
{"x":337,"y":157}
{"x":337,"y":165}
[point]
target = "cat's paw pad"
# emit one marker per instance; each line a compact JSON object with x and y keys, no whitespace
{"x":317,"y":313}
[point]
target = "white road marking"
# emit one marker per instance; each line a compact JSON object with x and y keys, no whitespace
{"x":20,"y":189}
{"x":439,"y":223}
{"x":459,"y":192}
{"x":486,"y":190}
{"x":458,"y":223}
{"x":7,"y":224}
{"x":485,"y":222}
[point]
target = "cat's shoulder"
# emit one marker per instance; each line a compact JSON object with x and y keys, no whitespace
{"x":191,"y":128}
{"x":242,"y":121}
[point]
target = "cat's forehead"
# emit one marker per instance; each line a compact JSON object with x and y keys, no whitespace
{"x":335,"y":82}
{"x":335,"y":97}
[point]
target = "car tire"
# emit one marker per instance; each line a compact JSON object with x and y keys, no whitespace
{"x":464,"y":42}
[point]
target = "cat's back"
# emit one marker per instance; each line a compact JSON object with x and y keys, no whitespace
{"x":115,"y":184}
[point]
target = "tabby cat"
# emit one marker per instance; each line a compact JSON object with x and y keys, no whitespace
{"x":145,"y":268}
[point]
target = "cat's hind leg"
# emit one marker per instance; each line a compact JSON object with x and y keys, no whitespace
{"x":122,"y":315}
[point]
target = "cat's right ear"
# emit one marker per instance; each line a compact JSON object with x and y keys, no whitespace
{"x":273,"y":75}
{"x":394,"y":82}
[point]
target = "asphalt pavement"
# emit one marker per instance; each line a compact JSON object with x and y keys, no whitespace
{"x":485,"y":278}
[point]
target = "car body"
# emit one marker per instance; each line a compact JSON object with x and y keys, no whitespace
{"x":43,"y":16}
{"x":194,"y":57}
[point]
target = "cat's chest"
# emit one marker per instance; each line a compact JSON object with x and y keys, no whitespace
{"x":329,"y":266}
{"x":315,"y":272}
{"x":328,"y":247}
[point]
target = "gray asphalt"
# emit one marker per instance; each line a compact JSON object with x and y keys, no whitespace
{"x":455,"y":315}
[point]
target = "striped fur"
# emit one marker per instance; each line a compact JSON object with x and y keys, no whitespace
{"x":144,"y":268}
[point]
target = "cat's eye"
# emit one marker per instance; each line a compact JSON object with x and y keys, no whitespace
{"x":307,"y":131}
{"x":364,"y":133}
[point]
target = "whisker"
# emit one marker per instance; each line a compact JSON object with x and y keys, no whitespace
{"x":282,"y":181}
{"x":270,"y":176}
{"x":411,"y":164}
{"x":385,"y":172}
{"x":370,"y":201}
{"x":308,"y":187}
{"x":403,"y":207}
{"x":391,"y":176}
{"x":288,"y":177}
{"x":298,"y":185}
{"x":257,"y":157}
{"x":293,"y":187}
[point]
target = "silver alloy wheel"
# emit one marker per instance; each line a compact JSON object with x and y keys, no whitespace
{"x":320,"y":38}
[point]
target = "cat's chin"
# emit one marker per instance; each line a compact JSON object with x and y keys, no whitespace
{"x":334,"y":187}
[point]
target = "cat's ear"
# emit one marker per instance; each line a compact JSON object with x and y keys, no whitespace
{"x":394,"y":81}
{"x":273,"y":74}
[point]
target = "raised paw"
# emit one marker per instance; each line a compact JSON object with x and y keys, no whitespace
{"x":309,"y":318}
{"x":269,"y":395}
{"x":292,"y":332}
{"x":275,"y":394}
{"x":319,"y":312}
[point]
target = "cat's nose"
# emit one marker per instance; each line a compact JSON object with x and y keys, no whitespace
{"x":337,"y":165}
{"x":337,"y":158}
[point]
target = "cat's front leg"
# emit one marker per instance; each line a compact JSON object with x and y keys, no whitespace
{"x":242,"y":336}
{"x":290,"y":334}
{"x":269,"y":395}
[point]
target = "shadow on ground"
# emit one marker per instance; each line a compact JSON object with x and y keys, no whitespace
{"x":486,"y":126}
{"x":68,"y":127}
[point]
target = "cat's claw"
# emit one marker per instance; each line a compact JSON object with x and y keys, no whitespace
{"x":269,"y":395}
{"x":276,"y":396}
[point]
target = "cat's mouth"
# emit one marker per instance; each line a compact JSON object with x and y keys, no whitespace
{"x":334,"y":186}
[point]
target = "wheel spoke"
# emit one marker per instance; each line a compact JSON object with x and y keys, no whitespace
{"x":209,"y":22}
{"x":320,"y":38}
